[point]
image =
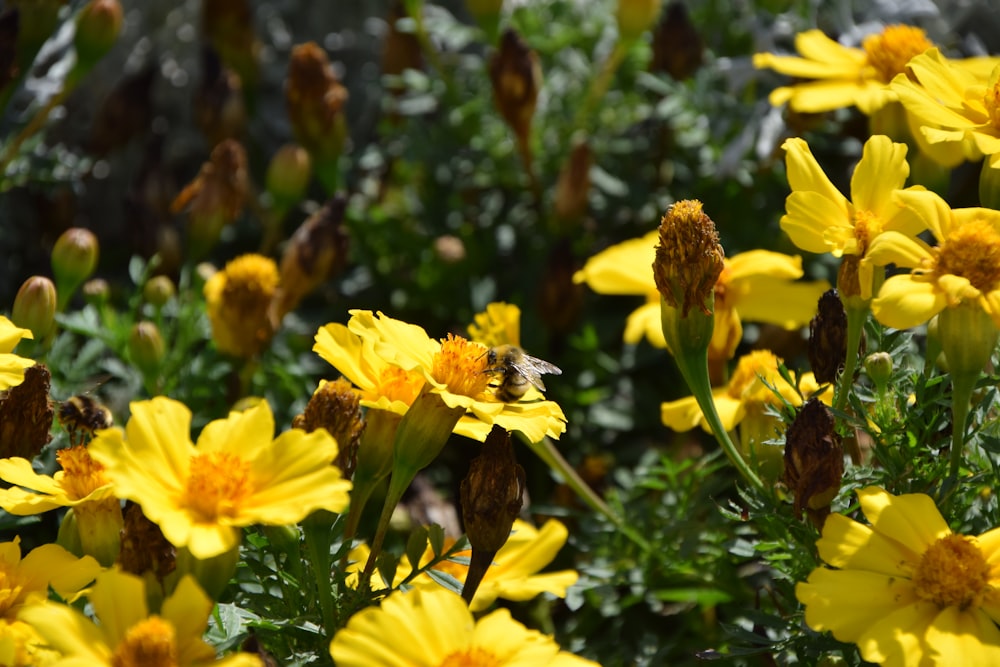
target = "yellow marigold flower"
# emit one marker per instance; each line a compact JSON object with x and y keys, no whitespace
{"x":844,"y":76}
{"x":26,"y":580}
{"x":963,"y":269}
{"x":907,"y":590}
{"x":390,"y":361}
{"x":745,"y":401}
{"x":12,"y":366}
{"x":758,"y":286}
{"x":128,"y":634}
{"x":514,"y":574}
{"x":238,"y":299}
{"x":499,"y":324}
{"x":237,"y":475}
{"x":954,"y":103}
{"x":820,"y":219}
{"x":81,"y":485}
{"x":21,"y":646}
{"x":433,"y":628}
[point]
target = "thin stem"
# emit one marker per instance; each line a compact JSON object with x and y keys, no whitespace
{"x":316,"y":529}
{"x":397,"y":486}
{"x":962,"y":385}
{"x":599,"y":86}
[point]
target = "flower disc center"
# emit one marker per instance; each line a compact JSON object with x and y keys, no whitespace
{"x":149,"y":643}
{"x":218,"y":484}
{"x":952,"y":572}
{"x":972,"y":251}
{"x":889,"y":51}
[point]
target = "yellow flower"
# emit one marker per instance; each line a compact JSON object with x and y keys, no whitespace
{"x":434,"y":628}
{"x":21,"y":646}
{"x":956,"y":104}
{"x":844,"y":76}
{"x":758,"y":286}
{"x":499,"y":324}
{"x":820,"y":219}
{"x":12,"y":366}
{"x":26,"y":580}
{"x":237,"y":475}
{"x":128,"y":635}
{"x":390,"y":361}
{"x":963,"y":269}
{"x":514,"y":574}
{"x":239,"y":299}
{"x":907,"y":590}
{"x":81,"y":485}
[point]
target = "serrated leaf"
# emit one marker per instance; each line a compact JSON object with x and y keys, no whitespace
{"x":416,"y":544}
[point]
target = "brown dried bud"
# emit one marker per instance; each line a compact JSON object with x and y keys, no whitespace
{"x":144,"y":549}
{"x":315,"y":101}
{"x":559,"y":298}
{"x":689,"y":258}
{"x":491,"y":500}
{"x":573,"y":186}
{"x":216,"y":195}
{"x":219,"y":107}
{"x":228,"y":27}
{"x":848,"y":280}
{"x":336,"y":407}
{"x":81,"y":416}
{"x":814,"y":461}
{"x":400,"y":50}
{"x":316,"y":252}
{"x":678,"y":48}
{"x":26,"y":415}
{"x":516,"y":76}
{"x":828,"y":338}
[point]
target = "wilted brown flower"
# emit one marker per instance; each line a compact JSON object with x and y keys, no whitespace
{"x":227,"y":26}
{"x":559,"y":298}
{"x":491,"y":496}
{"x":26,"y":415}
{"x":689,"y":258}
{"x":144,"y":549}
{"x":678,"y":48}
{"x":573,"y":186}
{"x":239,"y":299}
{"x":126,"y":112}
{"x":316,"y":252}
{"x":814,"y":461}
{"x":315,"y":101}
{"x":400,"y":50}
{"x":336,"y":407}
{"x":828,"y":338}
{"x":516,"y":76}
{"x":216,"y":196}
{"x":218,"y":104}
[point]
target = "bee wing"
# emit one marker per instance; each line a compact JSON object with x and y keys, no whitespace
{"x":533,"y":367}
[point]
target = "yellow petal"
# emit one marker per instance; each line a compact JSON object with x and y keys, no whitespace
{"x":849,"y":544}
{"x":754,"y":263}
{"x":903,"y":302}
{"x":897,"y":639}
{"x":778,"y":301}
{"x":882,"y":170}
{"x":50,"y":564}
{"x":11,"y":335}
{"x":964,"y":637}
{"x":119,"y":600}
{"x":625,"y":268}
{"x":681,"y":415}
{"x":644,"y":321}
{"x":849,"y":602}
{"x":68,"y":631}
{"x":899,"y":249}
{"x":810,"y":219}
{"x":911,"y":519}
{"x":187,"y":610}
{"x":805,"y":174}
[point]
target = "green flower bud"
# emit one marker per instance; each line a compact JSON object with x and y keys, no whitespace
{"x":146,"y":347}
{"x":636,"y":17}
{"x":878,"y":365}
{"x":97,"y":28}
{"x":96,"y":291}
{"x":35,"y":306}
{"x":288,"y":174}
{"x":158,"y":290}
{"x":74,"y":258}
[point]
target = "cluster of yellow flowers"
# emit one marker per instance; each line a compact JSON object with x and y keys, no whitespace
{"x":151,"y":607}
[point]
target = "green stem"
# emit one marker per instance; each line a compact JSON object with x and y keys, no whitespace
{"x":397,"y":487}
{"x":316,"y":528}
{"x":547,"y":452}
{"x":599,"y":86}
{"x":855,"y":325}
{"x":962,"y":385}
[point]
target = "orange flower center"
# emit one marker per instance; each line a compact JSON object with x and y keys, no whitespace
{"x":218,"y":484}
{"x":971,"y":251}
{"x":81,"y":474}
{"x":953,"y":573}
{"x":149,"y":643}
{"x":473,"y":657}
{"x":867,"y":226}
{"x":991,"y":100}
{"x":397,"y":385}
{"x":889,"y":51}
{"x":461,"y":365}
{"x":10,"y":590}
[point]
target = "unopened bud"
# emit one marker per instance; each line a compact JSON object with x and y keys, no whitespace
{"x":814,"y":461}
{"x":878,"y":365}
{"x":636,"y":17}
{"x":315,"y":100}
{"x":689,"y":258}
{"x":97,"y":28}
{"x":35,"y":306}
{"x":159,"y":290}
{"x":516,"y":77}
{"x":288,"y":175}
{"x":491,"y":496}
{"x":74,"y":258}
{"x":828,"y":338}
{"x":96,"y":291}
{"x":146,"y":347}
{"x":573,"y":186}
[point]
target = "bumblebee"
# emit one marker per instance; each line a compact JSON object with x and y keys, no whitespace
{"x":82,"y":415}
{"x":517,"y":371}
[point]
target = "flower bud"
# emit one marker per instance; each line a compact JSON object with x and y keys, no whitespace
{"x":74,"y":258}
{"x":516,"y":77}
{"x":573,"y":186}
{"x":288,"y":175}
{"x":636,"y":17}
{"x":689,"y":258}
{"x":145,"y":552}
{"x":96,"y":291}
{"x":146,"y":348}
{"x":26,"y":415}
{"x":678,"y":49}
{"x":878,"y":365}
{"x":97,"y":28}
{"x":228,"y":26}
{"x":35,"y":306}
{"x":315,"y":100}
{"x":158,"y":290}
{"x":336,"y":407}
{"x":814,"y":461}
